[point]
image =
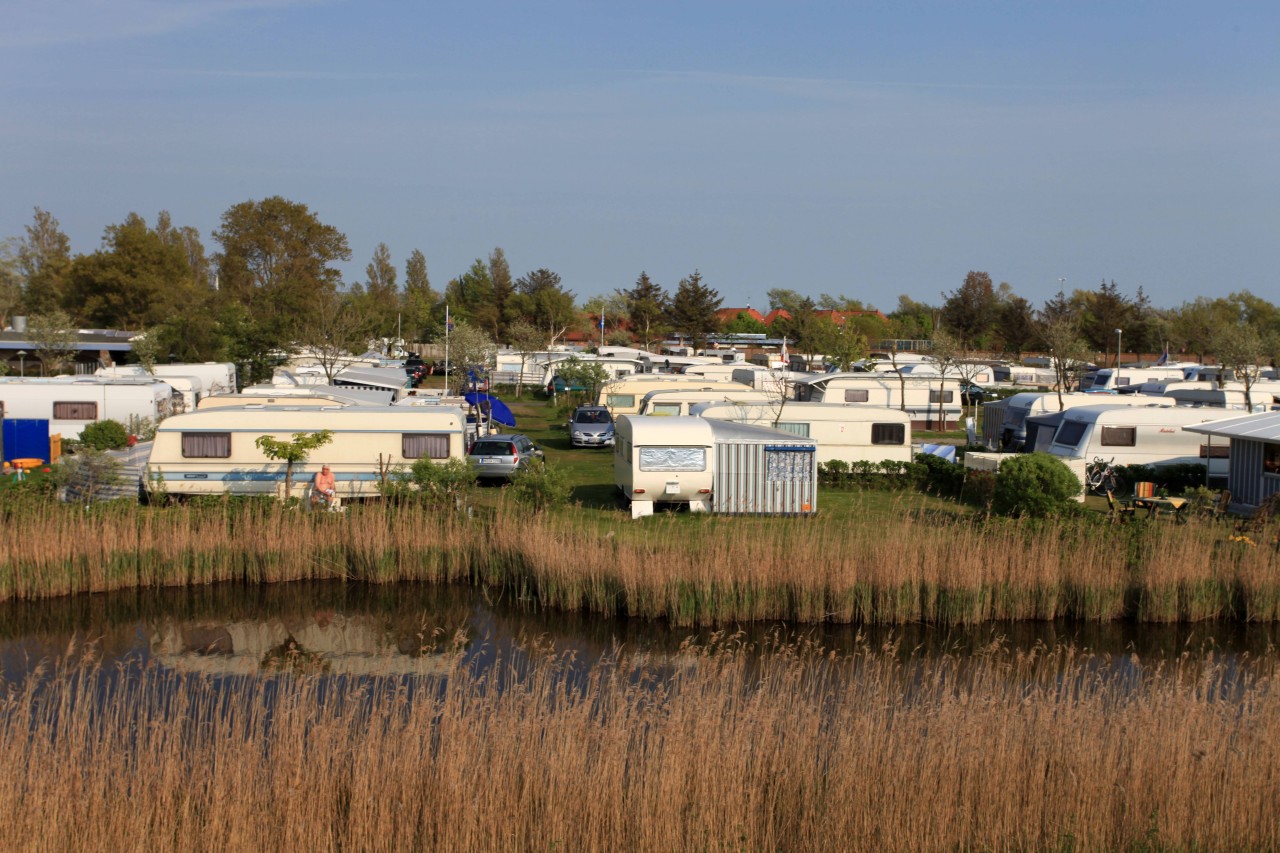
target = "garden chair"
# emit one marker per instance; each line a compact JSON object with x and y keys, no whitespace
{"x":1121,"y":511}
{"x":1144,"y":490}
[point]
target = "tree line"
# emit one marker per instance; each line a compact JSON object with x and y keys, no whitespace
{"x":272,"y":284}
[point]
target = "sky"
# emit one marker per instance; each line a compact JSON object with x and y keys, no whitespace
{"x":858,"y":149}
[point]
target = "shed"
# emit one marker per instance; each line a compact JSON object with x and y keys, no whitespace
{"x":1253,"y":467}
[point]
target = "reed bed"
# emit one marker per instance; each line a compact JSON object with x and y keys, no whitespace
{"x":715,"y":749}
{"x":908,"y":566}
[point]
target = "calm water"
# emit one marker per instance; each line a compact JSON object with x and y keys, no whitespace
{"x":400,"y":630}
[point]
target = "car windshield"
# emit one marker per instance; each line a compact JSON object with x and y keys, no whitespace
{"x":588,"y":417}
{"x":493,"y":448}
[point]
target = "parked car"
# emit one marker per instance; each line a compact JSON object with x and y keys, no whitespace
{"x":557,"y":385}
{"x":972,"y":395}
{"x":502,"y":456}
{"x":591,"y":426}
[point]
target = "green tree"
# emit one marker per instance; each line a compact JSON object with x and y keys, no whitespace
{"x":912,"y":320}
{"x":970,"y":309}
{"x":525,"y":338}
{"x":503,"y":290}
{"x":380,"y":296}
{"x":44,"y":259}
{"x":10,"y":281}
{"x":470,"y":297}
{"x":841,"y":343}
{"x":647,"y":307}
{"x":1015,"y":325}
{"x":588,"y":375}
{"x":1059,"y":326}
{"x":541,"y":300}
{"x":340,"y":327}
{"x":55,"y":340}
{"x":470,"y":347}
{"x":292,"y":452}
{"x":745,"y":324}
{"x":420,"y":300}
{"x":277,"y":261}
{"x":693,"y":310}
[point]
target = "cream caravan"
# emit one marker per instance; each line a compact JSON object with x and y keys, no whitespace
{"x":677,"y":401}
{"x":929,"y":401}
{"x":624,"y":396}
{"x":214,"y":451}
{"x":71,"y":403}
{"x":848,"y":432}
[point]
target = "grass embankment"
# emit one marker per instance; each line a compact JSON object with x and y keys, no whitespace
{"x":798,"y":752}
{"x":880,"y":563}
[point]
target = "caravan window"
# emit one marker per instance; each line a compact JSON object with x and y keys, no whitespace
{"x":1215,"y":451}
{"x":942,"y":396}
{"x":888,"y":434}
{"x":75,"y":410}
{"x":1119,"y":436}
{"x":673,"y":459}
{"x":664,"y":409}
{"x":206,"y":445}
{"x":620,"y":401}
{"x":1070,"y":433}
{"x":857,"y":395}
{"x":1271,"y":459}
{"x":424,"y":445}
{"x":800,"y":429}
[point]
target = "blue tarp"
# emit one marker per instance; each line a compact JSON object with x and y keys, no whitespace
{"x":25,"y":439}
{"x":946,"y":451}
{"x":494,"y":409}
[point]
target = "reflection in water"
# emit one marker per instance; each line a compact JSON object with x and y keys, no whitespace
{"x":404,"y":629}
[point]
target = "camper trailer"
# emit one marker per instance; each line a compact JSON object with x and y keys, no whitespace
{"x":188,"y":389}
{"x":214,"y":451}
{"x":713,"y":466}
{"x":299,"y":395}
{"x":1020,"y":375}
{"x":932,"y":402}
{"x":848,"y":432}
{"x":1110,"y":380}
{"x":624,"y":396}
{"x":70,"y":403}
{"x":391,"y":379}
{"x":1021,"y":406}
{"x":1137,"y":435}
{"x":677,"y":401}
{"x":216,"y":377}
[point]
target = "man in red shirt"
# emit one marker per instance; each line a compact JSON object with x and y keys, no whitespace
{"x":324,"y":489}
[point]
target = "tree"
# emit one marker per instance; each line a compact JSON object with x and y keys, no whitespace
{"x":44,"y":259}
{"x":947,"y":350}
{"x":1102,"y":312}
{"x":470,"y":297}
{"x":10,"y":280}
{"x":912,"y":320}
{"x":277,"y":261}
{"x":503,"y":290}
{"x":544,"y":303}
{"x":589,"y":375}
{"x":419,"y":299}
{"x":525,"y":338}
{"x":54,"y":339}
{"x":969,"y":310}
{"x":745,"y":324}
{"x":693,"y":310}
{"x":381,"y":296}
{"x":647,"y":306}
{"x":1240,"y":347}
{"x":612,"y":307}
{"x":841,"y":343}
{"x":843,"y":304}
{"x":292,"y":452}
{"x":1015,"y":325}
{"x":341,"y":324}
{"x":1060,"y":333}
{"x":469,"y":347}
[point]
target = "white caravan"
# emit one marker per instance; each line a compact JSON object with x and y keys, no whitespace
{"x":71,"y":403}
{"x":1021,"y":406}
{"x":1137,"y":435}
{"x":298,"y":395}
{"x":1020,"y":375}
{"x":188,"y":389}
{"x":624,"y":396}
{"x":929,"y":401}
{"x":677,"y":401}
{"x":214,"y":451}
{"x":981,"y":374}
{"x":848,"y":432}
{"x":1111,"y":380}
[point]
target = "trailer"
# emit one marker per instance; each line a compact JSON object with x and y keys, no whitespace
{"x":623,"y":396}
{"x":1021,"y":406}
{"x":713,"y":466}
{"x":932,"y":402}
{"x":848,"y":432}
{"x":214,"y":451}
{"x":678,"y":401}
{"x":300,"y":395}
{"x":188,"y":389}
{"x":71,"y":403}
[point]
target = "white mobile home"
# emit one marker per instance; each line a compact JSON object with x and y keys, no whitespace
{"x":677,"y":401}
{"x":1024,"y":376}
{"x":71,"y":403}
{"x":1110,"y":379}
{"x":391,"y":379}
{"x":713,"y":466}
{"x":1021,"y":406}
{"x":1137,"y":435}
{"x":213,"y":451}
{"x":188,"y":389}
{"x":932,"y":402}
{"x":849,"y":432}
{"x":624,"y":396}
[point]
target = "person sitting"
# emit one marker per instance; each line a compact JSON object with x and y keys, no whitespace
{"x":324,"y":489}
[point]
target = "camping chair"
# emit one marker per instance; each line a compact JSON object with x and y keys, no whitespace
{"x":1121,"y":511}
{"x":1217,"y":509}
{"x":1144,"y":490}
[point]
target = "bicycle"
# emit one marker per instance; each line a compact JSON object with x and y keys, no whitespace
{"x":1100,"y":476}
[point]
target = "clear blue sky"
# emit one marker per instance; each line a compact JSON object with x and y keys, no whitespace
{"x":862,"y":149}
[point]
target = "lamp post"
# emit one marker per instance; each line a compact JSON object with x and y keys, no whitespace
{"x":22,"y":361}
{"x":1119,"y":334}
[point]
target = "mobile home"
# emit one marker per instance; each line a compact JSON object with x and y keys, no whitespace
{"x":188,"y":389}
{"x":1021,"y":406}
{"x":1253,"y":477}
{"x":624,"y":396}
{"x":213,"y":451}
{"x":1137,"y":435}
{"x":1024,"y":376}
{"x":70,"y":403}
{"x":391,"y":379}
{"x":713,"y":466}
{"x":677,"y":401}
{"x":932,"y":402}
{"x":849,"y":432}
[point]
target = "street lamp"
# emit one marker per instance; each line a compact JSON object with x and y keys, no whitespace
{"x":22,"y":361}
{"x":1119,"y":333}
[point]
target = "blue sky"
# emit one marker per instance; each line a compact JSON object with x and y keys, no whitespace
{"x":860,"y":149}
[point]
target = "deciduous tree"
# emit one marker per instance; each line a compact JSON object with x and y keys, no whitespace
{"x":542,"y":301}
{"x":44,"y":259}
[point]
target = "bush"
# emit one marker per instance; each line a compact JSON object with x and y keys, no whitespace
{"x":104,"y":435}
{"x":444,"y":483}
{"x":940,"y":476}
{"x":541,"y":487}
{"x":1035,"y":485}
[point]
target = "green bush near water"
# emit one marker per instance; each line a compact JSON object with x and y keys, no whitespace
{"x":1036,"y":485}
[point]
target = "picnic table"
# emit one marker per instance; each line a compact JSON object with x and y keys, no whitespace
{"x":1172,"y":507}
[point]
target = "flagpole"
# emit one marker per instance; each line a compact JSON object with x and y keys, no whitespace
{"x":447,"y":325}
{"x":602,"y":327}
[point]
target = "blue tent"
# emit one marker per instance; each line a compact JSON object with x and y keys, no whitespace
{"x":495,"y":409}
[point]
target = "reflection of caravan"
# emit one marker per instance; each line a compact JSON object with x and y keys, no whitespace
{"x":72,"y":403}
{"x":677,"y":401}
{"x":711,"y":465}
{"x":850,"y":432}
{"x":624,"y":396}
{"x":213,"y":451}
{"x":928,"y":400}
{"x":1137,"y":435}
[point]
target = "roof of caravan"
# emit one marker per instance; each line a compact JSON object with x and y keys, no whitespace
{"x":389,"y":377}
{"x":1156,"y":413}
{"x":718,"y":390}
{"x":1263,"y":426}
{"x":311,"y":418}
{"x":894,"y":377}
{"x":645,"y":430}
{"x":359,"y":396}
{"x":793,"y":410}
{"x":87,"y":380}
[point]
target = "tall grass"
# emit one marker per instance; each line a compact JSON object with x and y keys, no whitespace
{"x":713,"y":750}
{"x":906,"y":566}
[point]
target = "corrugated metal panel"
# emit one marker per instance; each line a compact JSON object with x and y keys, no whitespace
{"x":758,"y":478}
{"x":1247,"y":480}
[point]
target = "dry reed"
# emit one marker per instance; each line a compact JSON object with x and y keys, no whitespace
{"x":907,"y":567}
{"x":711,"y":750}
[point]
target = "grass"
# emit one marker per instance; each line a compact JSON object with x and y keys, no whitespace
{"x":711,"y":749}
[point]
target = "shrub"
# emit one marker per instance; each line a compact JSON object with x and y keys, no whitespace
{"x":940,"y":476}
{"x":443,"y":483}
{"x":89,"y":472}
{"x":104,"y":435}
{"x":1035,"y":485}
{"x":541,"y":487}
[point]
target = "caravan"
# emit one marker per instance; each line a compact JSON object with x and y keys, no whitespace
{"x":848,"y":432}
{"x":624,"y":396}
{"x":71,"y":403}
{"x":932,"y":402}
{"x":677,"y":401}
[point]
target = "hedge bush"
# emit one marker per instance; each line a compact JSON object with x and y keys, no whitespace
{"x":104,"y":435}
{"x":1034,"y":485}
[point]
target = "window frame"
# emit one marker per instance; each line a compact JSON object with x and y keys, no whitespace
{"x":184,"y":436}
{"x":93,"y":404}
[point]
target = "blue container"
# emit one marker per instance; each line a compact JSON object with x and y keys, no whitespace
{"x":25,"y":439}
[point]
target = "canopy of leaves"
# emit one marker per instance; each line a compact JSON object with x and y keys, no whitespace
{"x":693,"y":310}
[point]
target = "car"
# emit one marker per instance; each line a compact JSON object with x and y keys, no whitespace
{"x":503,"y":455}
{"x":972,"y":395}
{"x":591,"y":426}
{"x":557,"y":385}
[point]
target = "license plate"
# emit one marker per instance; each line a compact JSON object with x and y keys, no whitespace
{"x":488,"y":460}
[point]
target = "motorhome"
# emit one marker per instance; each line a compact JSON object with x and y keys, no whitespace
{"x":982,"y":374}
{"x":1137,"y":435}
{"x":932,"y":402}
{"x":713,"y":466}
{"x":677,"y":401}
{"x":614,"y":368}
{"x":623,"y":396}
{"x":1023,"y":405}
{"x":848,"y":432}
{"x":214,"y":451}
{"x":71,"y":403}
{"x":390,"y":379}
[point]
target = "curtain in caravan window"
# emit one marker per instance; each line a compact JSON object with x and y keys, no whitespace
{"x":206,"y":445}
{"x":424,"y":445}
{"x":800,"y":429}
{"x":76,"y":410}
{"x":1119,"y":436}
{"x":942,"y":396}
{"x":888,"y":434}
{"x":857,"y":395}
{"x":673,"y":458}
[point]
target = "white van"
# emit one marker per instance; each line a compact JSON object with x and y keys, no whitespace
{"x":848,"y":432}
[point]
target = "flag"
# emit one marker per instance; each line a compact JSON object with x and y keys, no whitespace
{"x":602,"y":319}
{"x":784,"y":348}
{"x":448,"y":325}
{"x":1164,"y":357}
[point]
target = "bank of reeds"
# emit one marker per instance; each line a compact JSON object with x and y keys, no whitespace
{"x":903,"y":567}
{"x":714,"y":750}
